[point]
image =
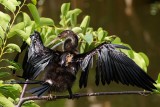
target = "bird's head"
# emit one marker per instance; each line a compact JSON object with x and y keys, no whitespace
{"x":71,"y":40}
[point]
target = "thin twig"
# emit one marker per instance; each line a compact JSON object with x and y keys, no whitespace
{"x":22,"y":94}
{"x":78,"y":95}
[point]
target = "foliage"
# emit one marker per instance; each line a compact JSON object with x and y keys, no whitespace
{"x":11,"y":28}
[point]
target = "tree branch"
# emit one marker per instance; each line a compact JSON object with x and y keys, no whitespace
{"x":22,"y":94}
{"x":78,"y":95}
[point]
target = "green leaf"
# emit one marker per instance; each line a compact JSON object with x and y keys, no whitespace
{"x":13,"y":47}
{"x":46,"y":21}
{"x":65,"y":8}
{"x":14,"y":64}
{"x":4,"y":74}
{"x":101,"y":34}
{"x":77,"y":30}
{"x":1,"y":36}
{"x":34,"y":12}
{"x":72,"y":15}
{"x":75,"y":11}
{"x":34,"y":2}
{"x":10,"y":4}
{"x":4,"y":20}
{"x":85,"y":23}
{"x":10,"y":90}
{"x":88,"y":38}
{"x":145,"y":58}
{"x":26,"y":19}
{"x":22,"y":34}
{"x":82,"y":47}
{"x":158,"y":80}
{"x":140,"y":61}
{"x":4,"y":102}
{"x":19,"y":26}
{"x":117,"y":40}
{"x":30,"y":104}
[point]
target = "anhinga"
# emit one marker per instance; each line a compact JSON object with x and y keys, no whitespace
{"x":61,"y":67}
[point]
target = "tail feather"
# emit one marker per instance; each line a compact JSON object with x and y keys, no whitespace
{"x":40,"y":90}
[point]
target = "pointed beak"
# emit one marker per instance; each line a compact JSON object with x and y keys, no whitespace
{"x":56,"y":39}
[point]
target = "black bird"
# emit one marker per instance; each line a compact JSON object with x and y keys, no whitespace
{"x":61,"y":67}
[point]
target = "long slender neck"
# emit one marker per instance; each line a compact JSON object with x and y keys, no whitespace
{"x":71,"y":43}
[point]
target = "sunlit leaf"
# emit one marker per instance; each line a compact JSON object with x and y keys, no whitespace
{"x":4,"y":102}
{"x":4,"y":20}
{"x":30,"y":104}
{"x":65,"y":8}
{"x":11,"y":90}
{"x":46,"y":21}
{"x":85,"y":23}
{"x":10,"y":4}
{"x":34,"y":2}
{"x":14,"y":47}
{"x":145,"y":58}
{"x":140,"y":61}
{"x":26,"y":19}
{"x":101,"y":34}
{"x":77,"y":30}
{"x":16,"y":27}
{"x":22,"y":34}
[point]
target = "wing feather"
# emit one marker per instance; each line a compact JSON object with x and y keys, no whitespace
{"x":113,"y":65}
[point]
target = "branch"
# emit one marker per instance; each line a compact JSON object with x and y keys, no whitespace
{"x":22,"y":94}
{"x":78,"y":95}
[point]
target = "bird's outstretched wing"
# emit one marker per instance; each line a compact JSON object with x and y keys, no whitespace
{"x":37,"y":58}
{"x":113,"y":65}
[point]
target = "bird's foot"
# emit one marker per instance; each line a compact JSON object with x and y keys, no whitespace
{"x":50,"y":97}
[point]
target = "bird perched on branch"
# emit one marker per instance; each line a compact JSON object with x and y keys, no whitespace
{"x":61,"y":67}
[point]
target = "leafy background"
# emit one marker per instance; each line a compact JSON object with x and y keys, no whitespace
{"x":20,"y":18}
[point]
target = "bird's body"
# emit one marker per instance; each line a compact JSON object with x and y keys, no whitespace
{"x":61,"y":67}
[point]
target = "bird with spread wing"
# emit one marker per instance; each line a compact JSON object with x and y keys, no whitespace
{"x":60,"y":67}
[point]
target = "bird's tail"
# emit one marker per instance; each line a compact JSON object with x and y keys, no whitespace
{"x":38,"y":91}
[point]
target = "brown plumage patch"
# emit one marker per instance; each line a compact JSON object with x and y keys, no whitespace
{"x":69,"y":58}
